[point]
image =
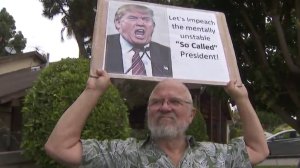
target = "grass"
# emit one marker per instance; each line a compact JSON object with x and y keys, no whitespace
{"x":275,"y":166}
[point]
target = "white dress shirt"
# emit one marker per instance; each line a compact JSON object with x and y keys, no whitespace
{"x":127,"y":54}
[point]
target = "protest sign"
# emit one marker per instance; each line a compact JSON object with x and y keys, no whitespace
{"x":181,"y":43}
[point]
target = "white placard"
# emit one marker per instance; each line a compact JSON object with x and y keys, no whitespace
{"x":199,"y":44}
{"x":197,"y":51}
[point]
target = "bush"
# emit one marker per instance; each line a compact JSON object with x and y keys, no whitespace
{"x":198,"y":128}
{"x":56,"y":89}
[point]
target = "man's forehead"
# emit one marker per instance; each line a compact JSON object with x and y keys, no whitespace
{"x":170,"y":83}
{"x":170,"y":87}
{"x":138,"y":11}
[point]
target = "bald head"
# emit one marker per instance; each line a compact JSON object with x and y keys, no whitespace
{"x":176,"y":87}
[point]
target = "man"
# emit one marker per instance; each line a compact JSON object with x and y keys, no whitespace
{"x":170,"y":111}
{"x":132,"y":48}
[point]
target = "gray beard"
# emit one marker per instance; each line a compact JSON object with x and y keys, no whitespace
{"x":166,"y":132}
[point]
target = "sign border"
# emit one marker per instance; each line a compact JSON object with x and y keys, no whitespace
{"x":99,"y":45}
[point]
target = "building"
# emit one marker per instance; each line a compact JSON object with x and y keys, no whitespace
{"x":17,"y":74}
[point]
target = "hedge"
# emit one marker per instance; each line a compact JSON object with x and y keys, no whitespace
{"x":56,"y":88}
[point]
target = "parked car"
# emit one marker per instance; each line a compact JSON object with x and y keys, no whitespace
{"x":284,"y":144}
{"x":267,"y":134}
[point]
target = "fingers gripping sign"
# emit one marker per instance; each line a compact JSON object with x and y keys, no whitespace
{"x":236,"y":90}
{"x":99,"y":81}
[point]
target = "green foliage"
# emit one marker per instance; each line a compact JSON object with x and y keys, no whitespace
{"x":281,"y":127}
{"x":269,"y":121}
{"x":15,"y":41}
{"x":56,"y":89}
{"x":275,"y":166}
{"x":198,"y":128}
{"x":235,"y":131}
{"x":136,"y":92}
{"x":78,"y":18}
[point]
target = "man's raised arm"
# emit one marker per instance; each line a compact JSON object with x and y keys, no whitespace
{"x":64,"y":144}
{"x":254,"y":137}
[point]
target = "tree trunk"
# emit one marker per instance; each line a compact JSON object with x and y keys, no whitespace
{"x":80,"y":42}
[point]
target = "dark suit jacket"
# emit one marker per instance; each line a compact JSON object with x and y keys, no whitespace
{"x":160,"y":57}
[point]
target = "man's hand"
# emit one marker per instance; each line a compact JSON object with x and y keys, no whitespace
{"x":236,"y":90}
{"x":98,"y":82}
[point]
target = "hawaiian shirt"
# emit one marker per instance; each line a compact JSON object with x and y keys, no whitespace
{"x":131,"y":153}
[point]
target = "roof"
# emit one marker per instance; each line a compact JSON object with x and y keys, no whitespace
{"x":14,"y":84}
{"x":36,"y":54}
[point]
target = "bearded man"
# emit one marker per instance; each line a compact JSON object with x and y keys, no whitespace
{"x":170,"y":111}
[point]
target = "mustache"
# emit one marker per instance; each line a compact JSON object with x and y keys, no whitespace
{"x":169,"y":115}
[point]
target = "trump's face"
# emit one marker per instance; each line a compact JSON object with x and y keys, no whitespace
{"x":136,"y":27}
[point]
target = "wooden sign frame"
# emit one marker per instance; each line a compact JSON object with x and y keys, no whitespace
{"x":207,"y":58}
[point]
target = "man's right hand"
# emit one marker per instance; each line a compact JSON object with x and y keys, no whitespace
{"x":99,"y":81}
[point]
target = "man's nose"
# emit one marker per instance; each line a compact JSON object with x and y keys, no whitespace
{"x":165,"y":106}
{"x":140,"y":21}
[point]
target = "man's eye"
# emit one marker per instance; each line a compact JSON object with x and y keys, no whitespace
{"x":155,"y":102}
{"x":175,"y":102}
{"x":132,"y":18}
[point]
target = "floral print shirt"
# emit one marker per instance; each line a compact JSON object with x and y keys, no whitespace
{"x":131,"y":153}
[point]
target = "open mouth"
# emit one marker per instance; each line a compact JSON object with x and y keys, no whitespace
{"x":139,"y":33}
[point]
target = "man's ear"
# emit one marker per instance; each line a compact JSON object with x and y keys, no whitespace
{"x":117,"y":24}
{"x":153,"y":23}
{"x":193,"y":113}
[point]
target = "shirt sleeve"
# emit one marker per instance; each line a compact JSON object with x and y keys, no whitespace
{"x":237,"y":155}
{"x":93,"y":152}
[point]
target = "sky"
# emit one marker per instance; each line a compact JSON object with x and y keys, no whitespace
{"x":39,"y":31}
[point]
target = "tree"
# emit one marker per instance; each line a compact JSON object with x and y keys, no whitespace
{"x":11,"y":42}
{"x":266,"y":37}
{"x":78,"y":20}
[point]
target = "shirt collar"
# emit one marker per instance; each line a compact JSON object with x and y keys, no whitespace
{"x":126,"y":46}
{"x":190,"y":140}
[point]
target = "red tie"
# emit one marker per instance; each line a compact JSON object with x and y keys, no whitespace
{"x":138,"y":67}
